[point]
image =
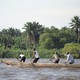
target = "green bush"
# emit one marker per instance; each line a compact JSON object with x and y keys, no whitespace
{"x":10,"y":53}
{"x":73,"y":48}
{"x":46,"y":53}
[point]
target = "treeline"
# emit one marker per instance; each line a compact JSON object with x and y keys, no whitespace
{"x":47,"y":40}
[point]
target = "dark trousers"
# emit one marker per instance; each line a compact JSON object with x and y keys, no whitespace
{"x":22,"y":59}
{"x":71,"y":62}
{"x":56,"y":61}
{"x":35,"y":60}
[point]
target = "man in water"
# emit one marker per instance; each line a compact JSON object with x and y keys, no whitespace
{"x":69,"y":59}
{"x":56,"y":57}
{"x":36,"y":55}
{"x":22,"y":57}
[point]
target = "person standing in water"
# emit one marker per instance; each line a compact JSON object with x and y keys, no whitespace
{"x":36,"y":55}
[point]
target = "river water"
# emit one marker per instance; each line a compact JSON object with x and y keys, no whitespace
{"x":8,"y":72}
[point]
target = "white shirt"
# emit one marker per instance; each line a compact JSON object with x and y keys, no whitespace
{"x":21,"y":55}
{"x":70,"y":58}
{"x":36,"y":54}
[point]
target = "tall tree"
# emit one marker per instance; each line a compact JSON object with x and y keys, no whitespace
{"x":32,"y":32}
{"x":75,"y":24}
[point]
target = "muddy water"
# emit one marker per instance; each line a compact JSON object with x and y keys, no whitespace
{"x":8,"y":72}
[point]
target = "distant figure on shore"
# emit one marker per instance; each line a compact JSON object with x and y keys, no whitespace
{"x":56,"y":58}
{"x":69,"y":59}
{"x":22,"y":57}
{"x":36,"y":55}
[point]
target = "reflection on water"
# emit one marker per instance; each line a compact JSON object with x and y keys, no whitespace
{"x":8,"y":72}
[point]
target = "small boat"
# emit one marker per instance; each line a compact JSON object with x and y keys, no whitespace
{"x":40,"y":65}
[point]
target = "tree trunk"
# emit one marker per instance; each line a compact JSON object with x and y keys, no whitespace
{"x":77,"y":37}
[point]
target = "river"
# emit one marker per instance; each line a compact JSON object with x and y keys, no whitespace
{"x":8,"y":72}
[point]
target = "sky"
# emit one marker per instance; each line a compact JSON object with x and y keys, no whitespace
{"x":58,"y":13}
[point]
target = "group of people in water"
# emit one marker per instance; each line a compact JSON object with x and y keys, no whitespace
{"x":56,"y":57}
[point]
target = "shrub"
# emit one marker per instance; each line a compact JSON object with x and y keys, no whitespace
{"x":10,"y":53}
{"x":46,"y":53}
{"x":73,"y":48}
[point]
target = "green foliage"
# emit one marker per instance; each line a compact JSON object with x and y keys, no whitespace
{"x":32,"y":33}
{"x":10,"y":53}
{"x":75,"y":24}
{"x":46,"y":41}
{"x":73,"y":48}
{"x":46,"y":53}
{"x":54,"y":31}
{"x":13,"y":41}
{"x":20,"y":43}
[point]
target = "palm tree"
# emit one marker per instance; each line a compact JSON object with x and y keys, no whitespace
{"x":75,"y":24}
{"x":31,"y":30}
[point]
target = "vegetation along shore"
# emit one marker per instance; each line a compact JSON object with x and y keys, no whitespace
{"x":47,"y":40}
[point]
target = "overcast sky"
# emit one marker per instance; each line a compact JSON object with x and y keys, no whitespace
{"x":58,"y":13}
